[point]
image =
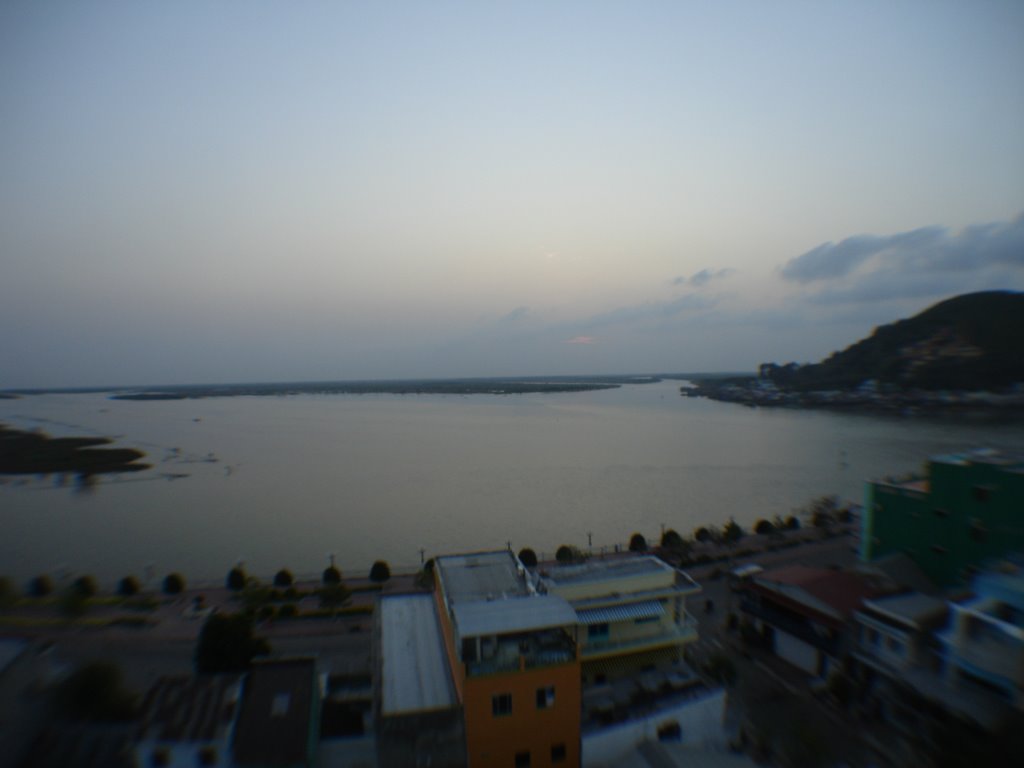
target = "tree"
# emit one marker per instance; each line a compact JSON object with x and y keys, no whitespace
{"x":564,"y":554}
{"x":764,"y":528}
{"x":40,"y":586}
{"x":792,"y":523}
{"x":331,"y":574}
{"x":380,"y":572}
{"x":702,"y":534}
{"x":85,"y":586}
{"x":672,"y":540}
{"x":528,"y":557}
{"x":236,"y":579}
{"x":174,"y":584}
{"x":732,"y":532}
{"x":283,"y":579}
{"x":95,"y":692}
{"x":637,"y":543}
{"x":73,"y":603}
{"x":128,"y":586}
{"x":227,"y":644}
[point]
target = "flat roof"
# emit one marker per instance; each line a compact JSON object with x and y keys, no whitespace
{"x":599,"y":570}
{"x":276,"y":720}
{"x":481,"y":576}
{"x":909,"y":608}
{"x":516,"y":614}
{"x":414,"y":665}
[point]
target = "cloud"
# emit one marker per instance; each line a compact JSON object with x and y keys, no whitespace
{"x":925,"y":262}
{"x":703,"y":277}
{"x":515,"y":315}
{"x":581,"y":340}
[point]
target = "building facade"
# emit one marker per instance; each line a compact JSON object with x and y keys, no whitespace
{"x":964,"y":509}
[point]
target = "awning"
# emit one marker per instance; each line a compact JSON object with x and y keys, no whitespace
{"x":650,"y":609}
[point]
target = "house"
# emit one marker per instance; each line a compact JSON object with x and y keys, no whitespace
{"x":804,"y":614}
{"x":188,"y":722}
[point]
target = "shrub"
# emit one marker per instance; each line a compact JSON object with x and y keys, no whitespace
{"x":40,"y":586}
{"x":637,"y":543}
{"x":174,"y":584}
{"x":128,"y":586}
{"x":564,"y":554}
{"x":283,"y":579}
{"x":380,"y":572}
{"x":732,"y":532}
{"x":764,"y":528}
{"x":236,"y":579}
{"x":528,"y":557}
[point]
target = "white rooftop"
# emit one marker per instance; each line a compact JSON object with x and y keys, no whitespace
{"x":910,"y":608}
{"x":515,"y":614}
{"x":481,"y":576}
{"x":414,"y":666}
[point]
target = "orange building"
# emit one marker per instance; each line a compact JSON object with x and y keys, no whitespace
{"x":514,"y":662}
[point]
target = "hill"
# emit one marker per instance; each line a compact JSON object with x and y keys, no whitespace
{"x":969,"y":342}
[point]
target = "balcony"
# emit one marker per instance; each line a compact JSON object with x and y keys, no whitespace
{"x":515,"y":653}
{"x":676,"y":634}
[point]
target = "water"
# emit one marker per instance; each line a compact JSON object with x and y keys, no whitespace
{"x":367,"y":476}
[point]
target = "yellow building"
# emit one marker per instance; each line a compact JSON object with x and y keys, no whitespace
{"x":631,"y":614}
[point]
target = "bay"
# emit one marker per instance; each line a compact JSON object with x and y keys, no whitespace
{"x":287,"y":481}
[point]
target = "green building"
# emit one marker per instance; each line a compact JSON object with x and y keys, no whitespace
{"x":964,"y":509}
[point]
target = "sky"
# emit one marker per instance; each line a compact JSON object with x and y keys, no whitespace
{"x":197,"y":192}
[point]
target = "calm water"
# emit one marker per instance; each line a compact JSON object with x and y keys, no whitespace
{"x":367,"y":477}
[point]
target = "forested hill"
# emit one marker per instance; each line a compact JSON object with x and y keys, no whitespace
{"x":970,"y":342}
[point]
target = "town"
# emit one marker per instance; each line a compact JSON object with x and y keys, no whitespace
{"x":890,"y":633}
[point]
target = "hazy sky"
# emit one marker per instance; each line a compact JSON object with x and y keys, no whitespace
{"x":233,"y":191}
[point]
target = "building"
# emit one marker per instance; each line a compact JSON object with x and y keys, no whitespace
{"x":964,"y":509}
{"x":279,"y":720}
{"x":804,"y":615}
{"x":631,"y":614}
{"x":188,"y":721}
{"x":985,"y":641}
{"x":513,"y":659}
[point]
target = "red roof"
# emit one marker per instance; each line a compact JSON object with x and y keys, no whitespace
{"x":841,"y":591}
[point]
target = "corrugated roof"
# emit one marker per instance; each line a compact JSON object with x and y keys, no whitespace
{"x":185,"y":708}
{"x":517,"y":614}
{"x":649,"y":609}
{"x":414,"y":666}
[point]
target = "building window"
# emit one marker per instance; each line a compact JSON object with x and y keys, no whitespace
{"x":647,"y":620}
{"x":895,"y":646}
{"x":501,"y":704}
{"x":597,"y":631}
{"x":545,"y":697}
{"x":873,"y":636}
{"x":558,"y":753}
{"x":522,"y":760}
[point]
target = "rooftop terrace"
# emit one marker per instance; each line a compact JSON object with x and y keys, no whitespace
{"x":481,"y":576}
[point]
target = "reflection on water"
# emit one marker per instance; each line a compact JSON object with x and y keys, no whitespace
{"x":283,"y":481}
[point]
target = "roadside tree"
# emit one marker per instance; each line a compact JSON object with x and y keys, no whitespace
{"x":283,"y":579}
{"x":128,"y":586}
{"x":227,"y":644}
{"x":528,"y":557}
{"x":380,"y":572}
{"x":174,"y":584}
{"x":637,"y":543}
{"x":236,"y":579}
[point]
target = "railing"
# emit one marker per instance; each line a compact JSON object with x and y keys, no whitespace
{"x":685,"y":631}
{"x":547,"y":657}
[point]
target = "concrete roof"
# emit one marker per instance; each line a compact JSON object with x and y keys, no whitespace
{"x":826,"y":591}
{"x":414,"y":666}
{"x":276,"y":725}
{"x":481,"y":576}
{"x":599,"y":570}
{"x":518,"y":614}
{"x":911,"y":609}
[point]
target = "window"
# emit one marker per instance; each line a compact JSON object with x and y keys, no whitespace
{"x":501,"y":704}
{"x":558,"y":753}
{"x":597,"y":631}
{"x":522,"y":760}
{"x":873,"y":636}
{"x":647,"y":620}
{"x":545,"y":697}
{"x":895,"y":646}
